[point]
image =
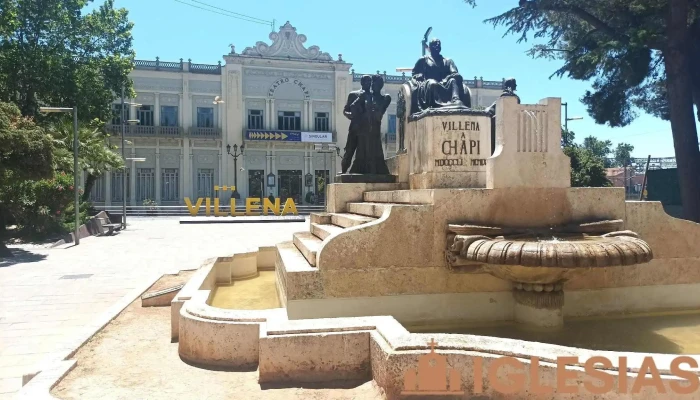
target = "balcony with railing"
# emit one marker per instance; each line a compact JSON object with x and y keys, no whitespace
{"x":477,"y":82}
{"x":144,"y":131}
{"x":201,"y":132}
{"x":175,"y":66}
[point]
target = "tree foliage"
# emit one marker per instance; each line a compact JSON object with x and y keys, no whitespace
{"x":636,"y":53}
{"x":53,"y":55}
{"x":26,"y":153}
{"x":97,"y":155}
{"x":623,"y":153}
{"x":587,"y":163}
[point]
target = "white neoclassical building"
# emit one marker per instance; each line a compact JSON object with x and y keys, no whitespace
{"x":279,"y":99}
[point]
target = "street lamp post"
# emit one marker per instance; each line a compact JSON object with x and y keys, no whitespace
{"x":235,"y":156}
{"x":76,"y":180}
{"x":122,"y":120}
{"x":566,"y":116}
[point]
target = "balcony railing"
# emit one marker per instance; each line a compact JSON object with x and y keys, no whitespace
{"x":395,"y":79}
{"x":178,"y":66}
{"x":140,"y":130}
{"x":205,"y":132}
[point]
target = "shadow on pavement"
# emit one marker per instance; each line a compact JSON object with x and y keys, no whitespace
{"x":20,"y":256}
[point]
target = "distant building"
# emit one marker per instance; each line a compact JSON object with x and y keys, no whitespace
{"x":630,"y":179}
{"x":279,"y":99}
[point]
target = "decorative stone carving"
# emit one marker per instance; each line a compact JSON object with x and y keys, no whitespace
{"x":322,"y":106}
{"x":544,"y":256}
{"x":205,"y":159}
{"x":287,"y":44}
{"x":287,"y":105}
{"x":290,"y":160}
{"x":157,"y":84}
{"x":168,"y":98}
{"x":287,"y":74}
{"x":205,"y":87}
{"x":204,"y":101}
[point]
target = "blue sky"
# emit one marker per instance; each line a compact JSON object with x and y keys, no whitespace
{"x":381,"y":35}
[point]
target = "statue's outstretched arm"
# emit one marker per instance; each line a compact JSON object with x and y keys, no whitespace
{"x":418,"y":69}
{"x":347,"y":111}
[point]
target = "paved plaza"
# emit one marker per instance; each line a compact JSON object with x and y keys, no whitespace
{"x":49,"y":296}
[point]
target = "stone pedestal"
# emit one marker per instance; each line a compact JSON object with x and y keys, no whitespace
{"x":364,"y":178}
{"x":528,"y":146}
{"x":449,"y":151}
{"x":539,"y":305}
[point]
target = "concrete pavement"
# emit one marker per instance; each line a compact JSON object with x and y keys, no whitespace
{"x":48,"y":296}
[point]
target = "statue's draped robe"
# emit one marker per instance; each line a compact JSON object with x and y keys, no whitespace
{"x":433,"y":84}
{"x":369,"y":153}
{"x":351,"y":144}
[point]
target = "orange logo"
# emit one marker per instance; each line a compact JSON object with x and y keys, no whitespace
{"x":432,"y":376}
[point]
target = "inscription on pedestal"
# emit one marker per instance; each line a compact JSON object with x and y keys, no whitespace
{"x":459,"y":143}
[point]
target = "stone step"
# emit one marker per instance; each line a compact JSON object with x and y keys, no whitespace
{"x":417,"y":196}
{"x":349,"y":220}
{"x":322,"y":231}
{"x":320,"y":218}
{"x":368,"y":209}
{"x":297,"y":278}
{"x":308,"y":245}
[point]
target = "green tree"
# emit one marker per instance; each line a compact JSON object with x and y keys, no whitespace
{"x":600,"y":149}
{"x":52,"y":54}
{"x":587,"y":165}
{"x":643,"y":53}
{"x":623,"y":154}
{"x":26,"y":153}
{"x":97,"y":156}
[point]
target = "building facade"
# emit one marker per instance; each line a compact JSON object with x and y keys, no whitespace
{"x":277,"y":101}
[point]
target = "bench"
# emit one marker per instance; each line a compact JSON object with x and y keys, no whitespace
{"x":111,"y":228}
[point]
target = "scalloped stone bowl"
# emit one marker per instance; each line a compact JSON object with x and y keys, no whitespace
{"x":553,"y":259}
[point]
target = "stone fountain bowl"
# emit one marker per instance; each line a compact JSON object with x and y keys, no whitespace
{"x":544,"y":258}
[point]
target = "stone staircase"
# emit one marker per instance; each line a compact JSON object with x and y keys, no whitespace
{"x":297,"y":264}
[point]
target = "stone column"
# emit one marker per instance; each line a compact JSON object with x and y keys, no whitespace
{"x":108,"y":188}
{"x":158,"y":176}
{"x":156,"y":112}
{"x":181,"y":178}
{"x":276,"y":189}
{"x":307,"y":116}
{"x":187,"y":168}
{"x":268,"y":111}
{"x":272,"y":124}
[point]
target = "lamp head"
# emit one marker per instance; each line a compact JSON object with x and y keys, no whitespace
{"x":228,"y":148}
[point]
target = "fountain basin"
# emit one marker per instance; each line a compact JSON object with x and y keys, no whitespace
{"x":538,"y":262}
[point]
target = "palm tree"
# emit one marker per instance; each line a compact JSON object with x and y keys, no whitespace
{"x":97,"y":155}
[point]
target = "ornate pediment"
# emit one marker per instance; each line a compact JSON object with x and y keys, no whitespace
{"x":287,"y":44}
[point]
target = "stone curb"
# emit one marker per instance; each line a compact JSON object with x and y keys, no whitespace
{"x":38,"y":384}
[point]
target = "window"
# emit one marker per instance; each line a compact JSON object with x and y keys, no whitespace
{"x":117,"y":182}
{"x":205,"y":183}
{"x":392,"y":123}
{"x":97,"y":193}
{"x":170,"y":184}
{"x":289,"y":120}
{"x":116,"y":118}
{"x":321,"y":122}
{"x":145,"y":184}
{"x":205,"y":117}
{"x":145,"y":115}
{"x":255,"y":119}
{"x":168,"y":116}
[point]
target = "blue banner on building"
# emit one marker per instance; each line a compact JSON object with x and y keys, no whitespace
{"x":276,"y":136}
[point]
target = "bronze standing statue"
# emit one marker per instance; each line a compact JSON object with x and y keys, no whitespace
{"x":369,"y":109}
{"x":351,"y":145}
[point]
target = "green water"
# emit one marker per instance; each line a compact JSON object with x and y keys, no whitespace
{"x":667,"y":333}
